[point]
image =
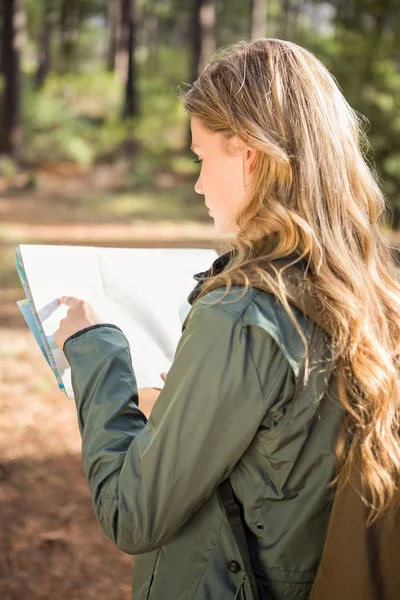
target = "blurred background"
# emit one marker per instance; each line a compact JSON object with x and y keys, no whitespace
{"x":94,"y":151}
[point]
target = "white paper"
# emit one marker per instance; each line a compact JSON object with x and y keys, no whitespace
{"x":143,"y":291}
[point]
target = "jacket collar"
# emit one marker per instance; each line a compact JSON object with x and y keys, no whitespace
{"x":219,"y":265}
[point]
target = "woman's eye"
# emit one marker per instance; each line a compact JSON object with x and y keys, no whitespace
{"x":198,"y":161}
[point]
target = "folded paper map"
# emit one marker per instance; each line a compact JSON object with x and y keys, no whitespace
{"x":142,"y":290}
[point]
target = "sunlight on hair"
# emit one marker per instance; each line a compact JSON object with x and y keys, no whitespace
{"x":314,"y":194}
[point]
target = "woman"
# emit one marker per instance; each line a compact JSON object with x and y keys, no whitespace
{"x":283,"y":173}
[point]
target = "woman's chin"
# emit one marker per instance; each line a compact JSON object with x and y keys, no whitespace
{"x":225,"y":228}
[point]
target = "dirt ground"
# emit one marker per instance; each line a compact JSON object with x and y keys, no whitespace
{"x":51,"y":546}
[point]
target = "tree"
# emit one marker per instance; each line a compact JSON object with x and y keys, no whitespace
{"x":258,"y":19}
{"x":44,"y":62}
{"x":114,"y":32}
{"x":366,"y":63}
{"x":67,"y":29}
{"x":11,"y":42}
{"x":128,"y":41}
{"x":149,"y":29}
{"x":202,"y":30}
{"x":286,"y":19}
{"x":290,"y":18}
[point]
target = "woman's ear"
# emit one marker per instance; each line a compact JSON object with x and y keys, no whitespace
{"x":250,"y":159}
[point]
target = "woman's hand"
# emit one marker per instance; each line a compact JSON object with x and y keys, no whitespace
{"x":80,"y":315}
{"x":148,"y":398}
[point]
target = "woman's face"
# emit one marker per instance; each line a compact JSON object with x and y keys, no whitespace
{"x":224,"y":168}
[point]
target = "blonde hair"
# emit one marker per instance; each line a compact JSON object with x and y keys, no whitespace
{"x":313,"y":194}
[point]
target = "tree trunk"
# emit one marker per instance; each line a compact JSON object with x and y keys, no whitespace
{"x":297,"y":14}
{"x":121,"y":56}
{"x":69,"y":24}
{"x":259,"y":19}
{"x":203,"y":22}
{"x":195,"y":35}
{"x":114,"y":32}
{"x":44,"y":62}
{"x":12,"y":37}
{"x":150,"y":37}
{"x":128,"y":41}
{"x":203,"y":41}
{"x":285,"y":18}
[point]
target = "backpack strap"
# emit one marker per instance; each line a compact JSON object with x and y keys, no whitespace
{"x":300,"y":295}
{"x":300,"y":292}
{"x":232,"y":510}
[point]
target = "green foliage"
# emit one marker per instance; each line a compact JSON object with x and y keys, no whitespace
{"x":363,"y":56}
{"x":8,"y":168}
{"x":369,"y":75}
{"x":76,"y":116}
{"x":65,"y":120}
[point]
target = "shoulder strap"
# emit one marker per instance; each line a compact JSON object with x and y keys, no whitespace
{"x":232,"y":510}
{"x":300,"y":295}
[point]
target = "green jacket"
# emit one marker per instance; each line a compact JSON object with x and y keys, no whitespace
{"x":227,"y":409}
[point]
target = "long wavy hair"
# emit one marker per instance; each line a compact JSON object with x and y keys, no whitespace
{"x":313,"y":194}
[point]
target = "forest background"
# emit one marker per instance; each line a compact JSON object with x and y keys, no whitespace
{"x":94,"y":150}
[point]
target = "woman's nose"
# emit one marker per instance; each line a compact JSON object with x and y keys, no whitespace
{"x":198,"y":188}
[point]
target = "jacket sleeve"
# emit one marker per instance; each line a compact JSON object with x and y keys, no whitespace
{"x":148,"y":478}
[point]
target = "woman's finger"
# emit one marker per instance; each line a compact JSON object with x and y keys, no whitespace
{"x":70,"y":301}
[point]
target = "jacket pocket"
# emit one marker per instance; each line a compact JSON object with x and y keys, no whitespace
{"x":285,"y":585}
{"x":285,"y":590}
